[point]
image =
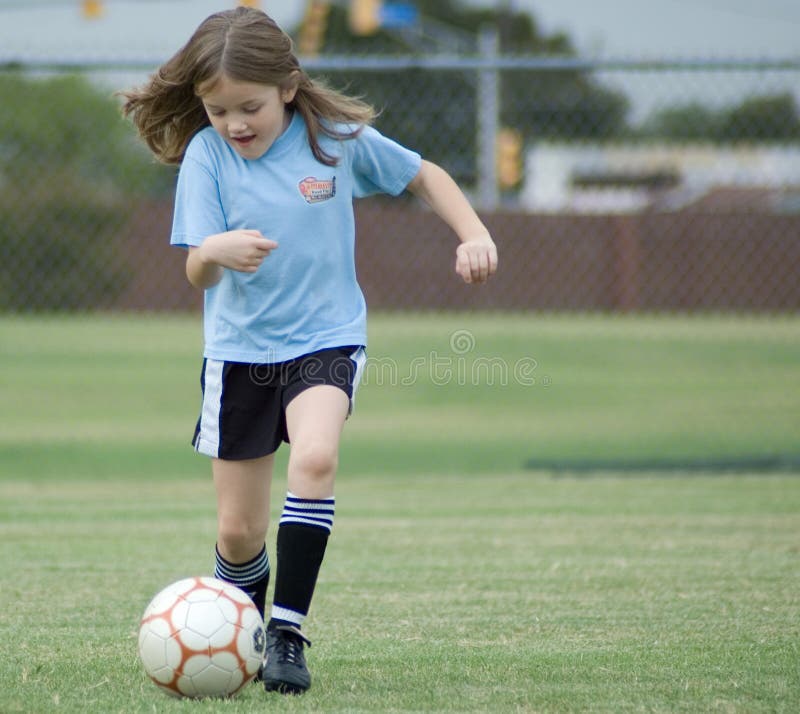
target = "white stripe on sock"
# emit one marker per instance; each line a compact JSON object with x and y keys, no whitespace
{"x":284,"y":613}
{"x":318,"y":513}
{"x":245,"y":573}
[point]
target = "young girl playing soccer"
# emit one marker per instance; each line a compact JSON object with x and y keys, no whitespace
{"x":270,"y":162}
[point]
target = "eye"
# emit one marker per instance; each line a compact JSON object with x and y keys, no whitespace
{"x":251,"y":110}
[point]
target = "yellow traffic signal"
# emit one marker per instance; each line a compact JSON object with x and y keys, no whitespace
{"x":365,"y":16}
{"x":312,"y":30}
{"x":92,"y":9}
{"x":509,"y":158}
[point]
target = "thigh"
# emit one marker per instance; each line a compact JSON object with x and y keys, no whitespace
{"x":314,"y":421}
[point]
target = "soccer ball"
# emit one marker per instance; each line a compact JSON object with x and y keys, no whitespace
{"x":201,"y":637}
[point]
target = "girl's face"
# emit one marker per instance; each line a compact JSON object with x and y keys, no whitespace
{"x":248,"y":115}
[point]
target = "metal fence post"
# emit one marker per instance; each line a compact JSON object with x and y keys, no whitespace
{"x":488,"y":112}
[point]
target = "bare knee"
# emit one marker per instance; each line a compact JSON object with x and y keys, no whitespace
{"x":239,"y":540}
{"x":313,"y":463}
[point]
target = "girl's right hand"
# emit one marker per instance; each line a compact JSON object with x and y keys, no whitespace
{"x":242,"y":250}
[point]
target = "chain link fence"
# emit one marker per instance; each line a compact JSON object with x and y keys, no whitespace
{"x":613,"y":186}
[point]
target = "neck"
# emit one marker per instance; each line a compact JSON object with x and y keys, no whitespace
{"x":287,"y":117}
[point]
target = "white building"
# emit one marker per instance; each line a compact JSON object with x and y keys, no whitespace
{"x":620,"y":178}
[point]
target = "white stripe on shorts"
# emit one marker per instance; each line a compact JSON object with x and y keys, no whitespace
{"x":360,"y":359}
{"x":207,"y":441}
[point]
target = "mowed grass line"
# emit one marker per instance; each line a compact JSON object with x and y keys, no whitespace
{"x":515,"y":592}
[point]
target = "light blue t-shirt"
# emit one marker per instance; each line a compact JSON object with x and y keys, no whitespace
{"x":305,"y":296}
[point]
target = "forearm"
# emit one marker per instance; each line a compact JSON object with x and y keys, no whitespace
{"x":242,"y":249}
{"x":436,"y":187}
{"x":476,"y":256}
{"x":201,"y":272}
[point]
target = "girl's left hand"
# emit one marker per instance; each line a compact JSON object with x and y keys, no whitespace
{"x":476,"y":260}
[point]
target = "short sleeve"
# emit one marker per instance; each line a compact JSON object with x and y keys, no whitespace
{"x":198,"y":208}
{"x":381,"y":165}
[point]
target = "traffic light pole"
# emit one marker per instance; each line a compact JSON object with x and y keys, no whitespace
{"x":488,"y":120}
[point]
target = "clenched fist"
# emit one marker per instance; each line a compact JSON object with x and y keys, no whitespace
{"x":476,"y":260}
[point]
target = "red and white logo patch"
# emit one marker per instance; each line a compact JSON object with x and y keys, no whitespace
{"x":316,"y":190}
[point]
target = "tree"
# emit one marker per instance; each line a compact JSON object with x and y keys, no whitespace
{"x":689,"y":122}
{"x":762,"y":118}
{"x":766,"y":118}
{"x":565,"y":104}
{"x":69,"y":166}
{"x":562,"y":104}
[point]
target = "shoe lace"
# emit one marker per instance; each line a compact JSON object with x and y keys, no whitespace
{"x":288,"y":646}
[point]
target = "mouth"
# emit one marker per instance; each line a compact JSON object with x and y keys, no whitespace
{"x":243,"y":141}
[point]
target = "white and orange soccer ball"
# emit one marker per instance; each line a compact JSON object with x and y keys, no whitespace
{"x":201,"y":637}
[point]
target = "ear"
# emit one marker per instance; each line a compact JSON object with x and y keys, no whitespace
{"x":287,"y":95}
{"x":289,"y":89}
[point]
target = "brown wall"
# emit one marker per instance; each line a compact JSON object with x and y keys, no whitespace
{"x":651,"y":261}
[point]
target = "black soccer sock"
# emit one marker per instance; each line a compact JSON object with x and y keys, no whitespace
{"x":302,"y":538}
{"x":251,"y":577}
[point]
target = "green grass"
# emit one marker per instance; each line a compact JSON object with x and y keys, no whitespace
{"x":455,"y":580}
{"x":601,"y":387}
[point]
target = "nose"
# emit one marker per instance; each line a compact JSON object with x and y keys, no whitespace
{"x":236,"y":125}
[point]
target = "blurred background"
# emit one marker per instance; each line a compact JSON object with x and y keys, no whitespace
{"x":642,"y":156}
{"x":638,"y":163}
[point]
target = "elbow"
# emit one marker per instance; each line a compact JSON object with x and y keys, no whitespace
{"x":193,"y":281}
{"x":204,"y":281}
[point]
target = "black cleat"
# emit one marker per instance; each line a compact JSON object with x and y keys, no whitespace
{"x":285,"y":668}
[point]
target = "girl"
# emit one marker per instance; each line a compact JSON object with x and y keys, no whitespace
{"x":270,"y":162}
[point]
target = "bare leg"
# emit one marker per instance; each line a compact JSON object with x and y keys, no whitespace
{"x":243,"y":489}
{"x":315,"y":419}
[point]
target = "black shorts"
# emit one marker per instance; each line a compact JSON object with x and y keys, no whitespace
{"x":243,"y":415}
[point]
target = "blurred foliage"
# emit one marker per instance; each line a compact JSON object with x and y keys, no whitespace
{"x":63,"y":236}
{"x":562,"y":104}
{"x":67,"y":122}
{"x":567,"y":104}
{"x":761,"y":118}
{"x":69,"y":166}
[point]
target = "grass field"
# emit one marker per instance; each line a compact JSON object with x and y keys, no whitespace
{"x":456,"y":580}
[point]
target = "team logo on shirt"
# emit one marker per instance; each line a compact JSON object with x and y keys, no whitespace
{"x":315,"y":190}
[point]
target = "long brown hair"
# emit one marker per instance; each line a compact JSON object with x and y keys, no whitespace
{"x":245,"y":45}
